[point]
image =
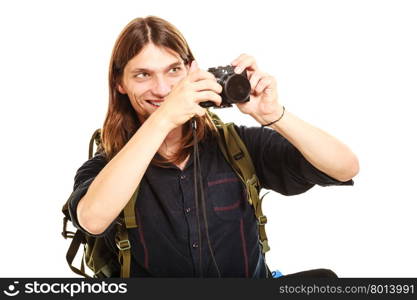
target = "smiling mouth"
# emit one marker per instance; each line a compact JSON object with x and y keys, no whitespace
{"x":155,"y":103}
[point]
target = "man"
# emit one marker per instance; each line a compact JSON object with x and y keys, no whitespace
{"x":155,"y":90}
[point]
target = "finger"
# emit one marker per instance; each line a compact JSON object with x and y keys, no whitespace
{"x":208,"y":96}
{"x":208,"y":84}
{"x":236,"y":60}
{"x":245,"y":62}
{"x":254,"y":79}
{"x":263,"y":84}
{"x":201,"y":75}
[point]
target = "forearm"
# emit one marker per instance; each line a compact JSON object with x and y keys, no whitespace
{"x":322,"y":150}
{"x":113,"y":187}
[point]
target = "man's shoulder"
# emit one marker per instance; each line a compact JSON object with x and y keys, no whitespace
{"x":90,"y":168}
{"x":99,"y":159}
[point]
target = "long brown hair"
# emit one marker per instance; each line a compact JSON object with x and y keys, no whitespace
{"x":121,"y":121}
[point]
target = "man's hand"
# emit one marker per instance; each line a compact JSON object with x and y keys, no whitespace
{"x":183,"y":101}
{"x":263,"y":105}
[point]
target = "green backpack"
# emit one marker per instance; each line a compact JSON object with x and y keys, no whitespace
{"x":104,"y":263}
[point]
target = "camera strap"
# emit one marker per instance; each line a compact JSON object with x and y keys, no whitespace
{"x":199,"y":194}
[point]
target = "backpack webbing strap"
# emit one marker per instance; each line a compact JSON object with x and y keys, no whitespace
{"x":129,"y":211}
{"x":123,"y":244}
{"x":238,"y":157}
{"x":122,"y":237}
{"x":242,"y":162}
{"x":97,"y":138}
{"x":77,"y":240}
{"x":65,"y":233}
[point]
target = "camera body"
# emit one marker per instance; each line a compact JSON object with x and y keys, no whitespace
{"x":236,"y":87}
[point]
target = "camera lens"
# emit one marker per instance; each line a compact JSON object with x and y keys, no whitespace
{"x":237,"y":88}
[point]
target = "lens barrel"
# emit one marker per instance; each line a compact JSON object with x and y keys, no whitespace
{"x":236,"y":87}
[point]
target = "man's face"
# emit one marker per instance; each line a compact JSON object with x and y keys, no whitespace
{"x":150,"y":76}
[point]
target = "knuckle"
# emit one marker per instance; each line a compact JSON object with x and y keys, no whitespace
{"x":201,"y":112}
{"x":219,"y":88}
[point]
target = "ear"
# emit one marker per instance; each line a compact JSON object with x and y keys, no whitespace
{"x":121,"y":89}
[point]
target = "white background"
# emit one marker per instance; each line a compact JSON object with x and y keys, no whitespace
{"x":348,"y":67}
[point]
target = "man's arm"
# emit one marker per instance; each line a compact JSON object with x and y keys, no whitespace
{"x":322,"y":150}
{"x":319,"y":148}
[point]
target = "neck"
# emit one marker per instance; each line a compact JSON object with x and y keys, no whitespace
{"x":174,"y":136}
{"x":170,"y":146}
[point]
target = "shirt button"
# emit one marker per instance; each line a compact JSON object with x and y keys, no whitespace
{"x":182,"y":176}
{"x":187,"y":210}
{"x":195,"y":245}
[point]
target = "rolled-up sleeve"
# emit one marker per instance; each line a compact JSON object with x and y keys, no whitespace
{"x":279,"y":165}
{"x":83,"y":178}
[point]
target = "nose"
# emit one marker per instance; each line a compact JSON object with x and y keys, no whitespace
{"x":161,"y":87}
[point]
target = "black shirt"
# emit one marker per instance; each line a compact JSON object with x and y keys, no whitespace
{"x":165,"y":244}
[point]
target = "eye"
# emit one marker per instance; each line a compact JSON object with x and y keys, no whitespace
{"x":142,"y":75}
{"x":175,"y":70}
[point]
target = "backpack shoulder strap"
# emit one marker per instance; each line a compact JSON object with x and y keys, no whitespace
{"x":237,"y":155}
{"x":77,"y":240}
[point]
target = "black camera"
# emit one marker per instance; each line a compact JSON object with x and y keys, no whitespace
{"x":236,"y":87}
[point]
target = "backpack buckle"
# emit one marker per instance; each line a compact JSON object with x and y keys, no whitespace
{"x":65,"y":233}
{"x":265,"y":246}
{"x":254,"y":181}
{"x":262,"y":220}
{"x":123,"y":245}
{"x":238,"y":155}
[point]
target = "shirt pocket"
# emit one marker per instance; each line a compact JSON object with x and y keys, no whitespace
{"x":226,"y":194}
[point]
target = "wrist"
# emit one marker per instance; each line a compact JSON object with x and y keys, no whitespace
{"x":272,"y":118}
{"x":276,"y":120}
{"x":159,"y":121}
